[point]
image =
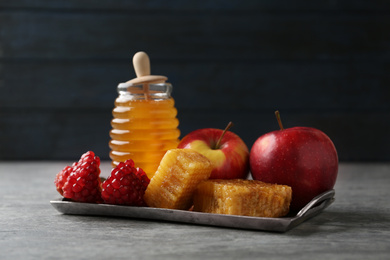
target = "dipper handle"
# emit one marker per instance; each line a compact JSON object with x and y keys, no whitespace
{"x":141,"y":64}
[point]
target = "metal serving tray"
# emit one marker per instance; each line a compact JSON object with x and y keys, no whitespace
{"x":283,"y":224}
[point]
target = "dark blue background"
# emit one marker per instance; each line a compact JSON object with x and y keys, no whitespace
{"x":323,"y":64}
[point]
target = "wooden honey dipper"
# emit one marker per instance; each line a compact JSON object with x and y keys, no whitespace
{"x":141,"y":65}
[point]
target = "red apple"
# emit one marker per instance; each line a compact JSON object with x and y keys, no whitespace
{"x":303,"y":158}
{"x":223,"y":148}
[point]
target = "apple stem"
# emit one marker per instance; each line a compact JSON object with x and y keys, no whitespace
{"x":223,"y":133}
{"x":277,"y":114}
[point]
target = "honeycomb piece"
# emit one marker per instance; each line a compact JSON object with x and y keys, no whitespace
{"x":242,"y":197}
{"x":179,"y":173}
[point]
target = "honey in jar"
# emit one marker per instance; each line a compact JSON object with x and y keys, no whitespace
{"x":144,"y":124}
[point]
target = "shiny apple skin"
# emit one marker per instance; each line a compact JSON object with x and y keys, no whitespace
{"x":303,"y":158}
{"x":231,"y":160}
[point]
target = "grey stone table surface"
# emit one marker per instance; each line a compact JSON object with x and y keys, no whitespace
{"x":355,"y":226}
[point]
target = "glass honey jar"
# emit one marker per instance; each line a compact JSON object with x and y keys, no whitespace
{"x":144,"y":124}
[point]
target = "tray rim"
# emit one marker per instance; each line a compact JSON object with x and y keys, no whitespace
{"x":283,"y":224}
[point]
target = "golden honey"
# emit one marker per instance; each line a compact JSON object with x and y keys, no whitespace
{"x":144,"y":127}
{"x":144,"y":124}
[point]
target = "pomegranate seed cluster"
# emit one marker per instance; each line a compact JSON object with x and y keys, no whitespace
{"x":81,"y":182}
{"x":126,"y":185}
